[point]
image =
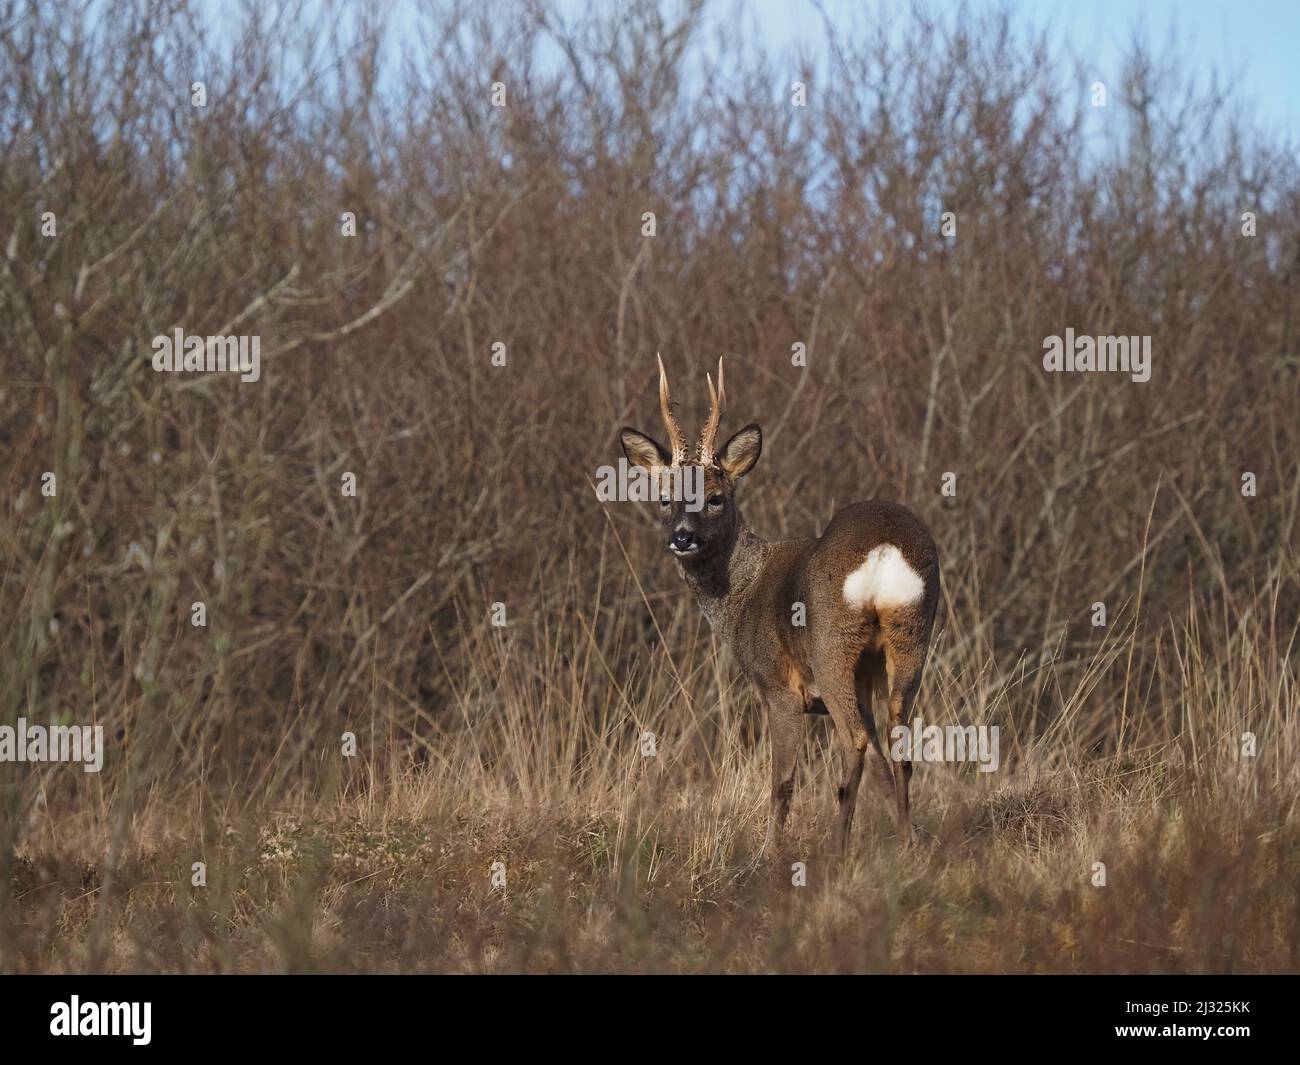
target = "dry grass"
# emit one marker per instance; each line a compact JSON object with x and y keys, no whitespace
{"x":521,"y":745}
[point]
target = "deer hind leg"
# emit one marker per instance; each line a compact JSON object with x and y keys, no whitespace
{"x":838,"y":692}
{"x":905,"y":651}
{"x":869,"y":673}
{"x":785,"y":723}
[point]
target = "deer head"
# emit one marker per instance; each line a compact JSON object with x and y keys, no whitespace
{"x":705,"y":533}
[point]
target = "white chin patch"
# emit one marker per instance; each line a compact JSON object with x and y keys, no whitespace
{"x":884,"y":579}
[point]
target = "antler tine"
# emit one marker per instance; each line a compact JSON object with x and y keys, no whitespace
{"x":676,"y":439}
{"x":717,"y":400}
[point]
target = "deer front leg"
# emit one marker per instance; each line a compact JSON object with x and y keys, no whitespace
{"x":785,"y":724}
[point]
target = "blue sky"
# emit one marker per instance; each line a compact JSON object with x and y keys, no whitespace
{"x":1253,"y":43}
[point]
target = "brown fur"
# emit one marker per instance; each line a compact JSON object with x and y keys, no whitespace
{"x":747,"y":588}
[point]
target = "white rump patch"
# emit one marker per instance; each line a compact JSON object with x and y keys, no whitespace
{"x":884,"y":579}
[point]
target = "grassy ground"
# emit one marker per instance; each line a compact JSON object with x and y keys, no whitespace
{"x":1196,"y":881}
{"x":611,"y":861}
{"x":885,"y":357}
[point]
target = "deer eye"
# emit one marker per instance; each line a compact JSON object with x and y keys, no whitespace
{"x":715,"y":501}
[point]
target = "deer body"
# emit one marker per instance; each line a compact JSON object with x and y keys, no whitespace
{"x":868,"y":587}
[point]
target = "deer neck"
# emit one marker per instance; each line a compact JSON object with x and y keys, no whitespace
{"x":720,"y":582}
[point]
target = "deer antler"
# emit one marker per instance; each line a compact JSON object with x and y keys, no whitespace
{"x":676,"y":439}
{"x":709,"y":435}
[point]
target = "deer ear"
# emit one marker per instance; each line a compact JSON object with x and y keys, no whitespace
{"x":741,"y":452}
{"x":642,"y":451}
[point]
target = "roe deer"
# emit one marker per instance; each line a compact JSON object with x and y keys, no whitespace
{"x":869,"y":586}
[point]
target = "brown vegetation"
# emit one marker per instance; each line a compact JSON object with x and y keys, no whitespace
{"x":522,"y":225}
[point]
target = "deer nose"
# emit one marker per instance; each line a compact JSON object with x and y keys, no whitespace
{"x":682,"y":539}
